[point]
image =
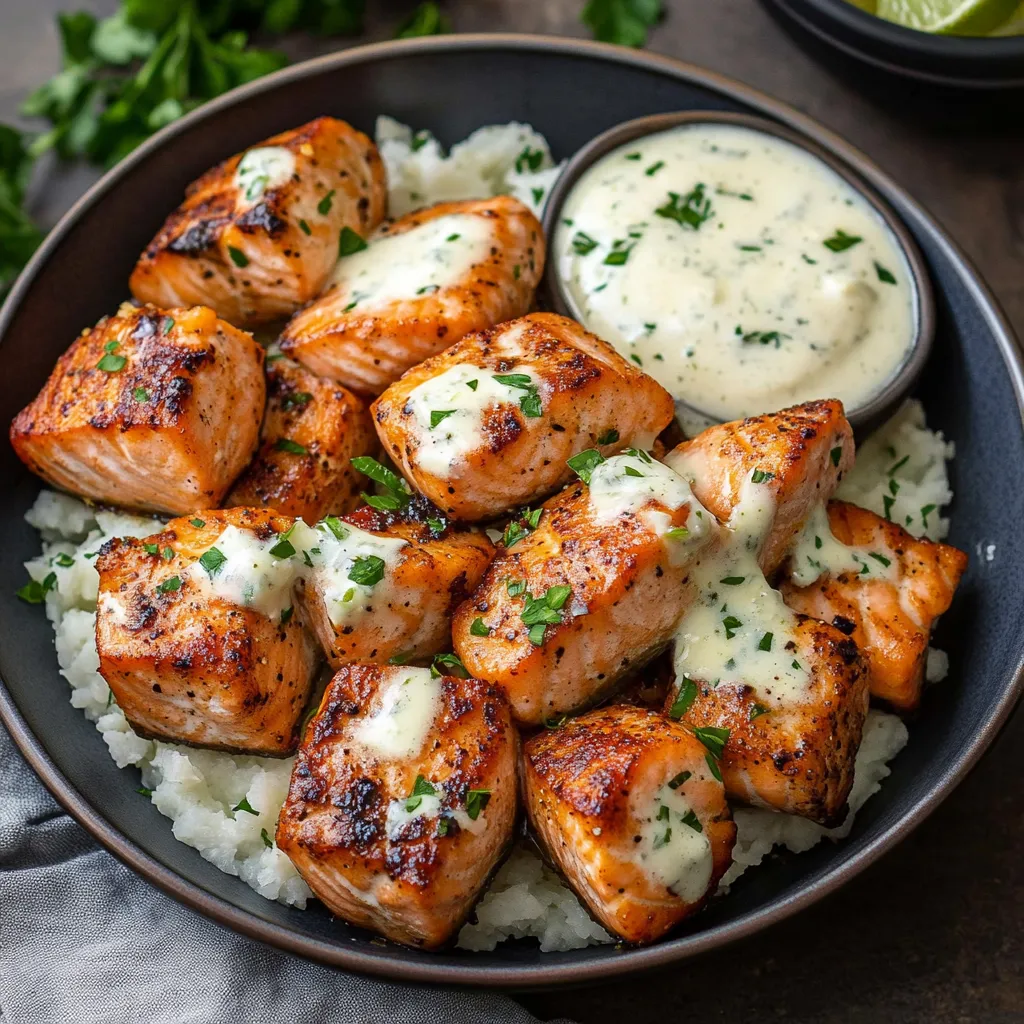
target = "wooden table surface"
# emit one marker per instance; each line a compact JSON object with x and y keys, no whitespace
{"x":932,"y":933}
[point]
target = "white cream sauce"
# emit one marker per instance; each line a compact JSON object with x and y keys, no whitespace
{"x":817,"y":552}
{"x":429,"y":806}
{"x":403,"y":714}
{"x":334,"y":558}
{"x":634,"y":485}
{"x":261,"y":574}
{"x":249,"y":575}
{"x":414,"y":263}
{"x":739,"y":630}
{"x":673,"y":849}
{"x":463,"y":393}
{"x":733,"y":296}
{"x":262,"y":169}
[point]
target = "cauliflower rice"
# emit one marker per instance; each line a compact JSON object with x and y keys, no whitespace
{"x":226,"y":806}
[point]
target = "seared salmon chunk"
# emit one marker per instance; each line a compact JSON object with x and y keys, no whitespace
{"x":489,"y":423}
{"x":780,"y":747}
{"x":312,"y":429}
{"x":585,"y":589}
{"x":402,"y":799}
{"x":627,"y":805}
{"x":419,"y":285}
{"x":799,"y":455}
{"x":879,"y":585}
{"x":385,"y":583}
{"x":197,"y":636}
{"x":259,"y":234}
{"x":153,"y":409}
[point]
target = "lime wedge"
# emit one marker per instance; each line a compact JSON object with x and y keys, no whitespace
{"x":1013,"y":27}
{"x":949,"y":17}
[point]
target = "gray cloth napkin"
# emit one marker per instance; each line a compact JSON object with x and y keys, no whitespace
{"x":84,"y":940}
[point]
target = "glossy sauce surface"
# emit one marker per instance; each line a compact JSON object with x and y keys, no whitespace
{"x":738,"y":270}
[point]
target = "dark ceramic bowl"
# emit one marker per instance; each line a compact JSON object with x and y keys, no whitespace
{"x":879,"y":406}
{"x":959,"y":62}
{"x":973,"y":389}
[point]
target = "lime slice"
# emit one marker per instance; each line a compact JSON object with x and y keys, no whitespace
{"x":949,"y":17}
{"x":1013,"y":27}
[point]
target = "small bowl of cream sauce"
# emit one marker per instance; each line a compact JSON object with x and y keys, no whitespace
{"x":741,"y":265}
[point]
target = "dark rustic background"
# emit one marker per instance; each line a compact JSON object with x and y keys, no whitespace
{"x":933,"y":933}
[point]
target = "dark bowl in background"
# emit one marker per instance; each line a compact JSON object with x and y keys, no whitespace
{"x":953,"y":62}
{"x":973,"y":389}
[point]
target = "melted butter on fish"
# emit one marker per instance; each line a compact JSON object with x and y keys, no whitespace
{"x":739,"y":630}
{"x":261,"y":574}
{"x":403,"y":716}
{"x":449,"y":409}
{"x":262,"y":169}
{"x":817,"y":552}
{"x":673,"y":848}
{"x":408,"y":265}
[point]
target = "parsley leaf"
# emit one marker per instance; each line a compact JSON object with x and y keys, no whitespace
{"x":625,"y":22}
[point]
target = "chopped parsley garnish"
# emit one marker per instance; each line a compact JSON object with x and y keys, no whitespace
{"x":476,"y":801}
{"x":284,"y":444}
{"x":892,"y":470}
{"x":766,"y":642}
{"x":286,"y":616}
{"x":662,"y":813}
{"x":477,"y":628}
{"x":540,"y":612}
{"x":64,"y":560}
{"x":526,"y":522}
{"x":584,"y":463}
{"x":757,"y":710}
{"x":296,"y":400}
{"x":880,"y":558}
{"x":238,"y":257}
{"x":841,"y":241}
{"x":662,"y":840}
{"x":807,"y":259}
{"x":634,"y":156}
{"x":636,"y":359}
{"x":555,"y":721}
{"x":284,"y":548}
{"x":836,"y":454}
{"x":401,"y":657}
{"x":266,"y":839}
{"x":676,"y":782}
{"x":731,"y":624}
{"x":713,"y":738}
{"x":515,"y":587}
{"x":397,"y":495}
{"x":169,"y":585}
{"x":621,"y":248}
{"x":335,"y":525}
{"x":760,"y":476}
{"x":144,"y":791}
{"x":530,"y":402}
{"x":453,"y":238}
{"x":926,"y":510}
{"x":350,"y":242}
{"x":452,"y":663}
{"x":367,"y":570}
{"x":439,"y":416}
{"x":529,"y":160}
{"x":884,"y":275}
{"x":732,"y":581}
{"x":608,"y":437}
{"x":428,"y":289}
{"x":691,"y":819}
{"x":516,"y":272}
{"x":678,"y":533}
{"x":167,"y":324}
{"x":140,"y":394}
{"x":36,"y":590}
{"x":324,"y":206}
{"x":690,"y":210}
{"x":686,"y":696}
{"x":437,"y":526}
{"x":167,"y":554}
{"x":244,"y":805}
{"x":764,"y":338}
{"x":111,"y":363}
{"x":654,"y":168}
{"x":583,"y":244}
{"x":151,"y":549}
{"x":472,"y":384}
{"x":305,"y":228}
{"x":420,"y":788}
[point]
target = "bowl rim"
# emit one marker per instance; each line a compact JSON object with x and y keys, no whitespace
{"x":374,"y":960}
{"x":907,"y":371}
{"x":855,"y":23}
